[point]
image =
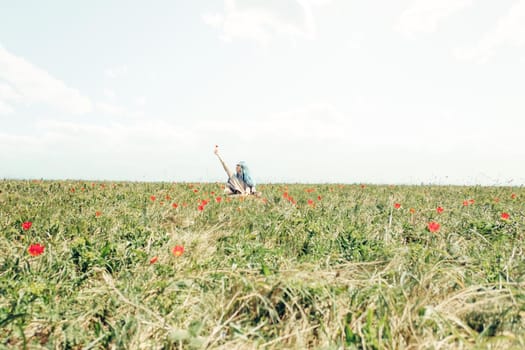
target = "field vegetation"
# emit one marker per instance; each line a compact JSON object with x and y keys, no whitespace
{"x":98,"y":265}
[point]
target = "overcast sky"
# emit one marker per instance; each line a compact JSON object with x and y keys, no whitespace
{"x":349,"y":91}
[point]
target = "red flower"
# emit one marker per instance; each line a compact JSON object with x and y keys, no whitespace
{"x":319,"y":198}
{"x":433,"y":226}
{"x":195,"y":190}
{"x":285,"y":195}
{"x":153,"y":260}
{"x":363,"y":186}
{"x":36,"y":249}
{"x":439,"y":210}
{"x":27,"y":225}
{"x":200,"y":207}
{"x":309,"y":190}
{"x":465,"y":203}
{"x":471,"y":201}
{"x":153,"y":198}
{"x":412,"y":210}
{"x":177,"y":250}
{"x":175,"y":205}
{"x":397,"y":205}
{"x":513,"y":196}
{"x":496,"y":200}
{"x":168,"y":198}
{"x":505,"y":216}
{"x":218,"y":199}
{"x":311,"y":202}
{"x":98,"y":213}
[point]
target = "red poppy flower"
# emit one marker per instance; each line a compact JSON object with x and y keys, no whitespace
{"x":285,"y":195}
{"x":439,"y":210}
{"x":178,"y":250}
{"x":72,"y":189}
{"x":195,"y":190}
{"x":319,"y":198}
{"x":471,"y":201}
{"x":200,"y":207}
{"x":433,"y":226}
{"x":465,"y":203}
{"x":412,"y":210}
{"x":153,"y":198}
{"x":513,"y":196}
{"x":363,"y":186}
{"x":27,"y":225}
{"x":154,"y":260}
{"x":36,"y":249}
{"x":505,"y":216}
{"x":168,"y":198}
{"x":311,"y":202}
{"x":397,"y":205}
{"x":98,"y":213}
{"x":175,"y":205}
{"x":218,"y":199}
{"x":496,"y":200}
{"x":309,"y":190}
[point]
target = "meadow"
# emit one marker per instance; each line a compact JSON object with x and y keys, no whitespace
{"x":107,"y":265}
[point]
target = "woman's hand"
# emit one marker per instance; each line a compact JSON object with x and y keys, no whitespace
{"x":216,"y":150}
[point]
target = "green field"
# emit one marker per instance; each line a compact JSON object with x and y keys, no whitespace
{"x":301,"y":267}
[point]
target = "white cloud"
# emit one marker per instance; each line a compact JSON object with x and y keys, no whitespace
{"x":31,"y":84}
{"x":141,"y":101}
{"x":262,"y":24}
{"x":425,"y":15}
{"x":5,"y":108}
{"x":510,"y":31}
{"x":109,"y":93}
{"x":313,"y":123}
{"x":116,"y":72}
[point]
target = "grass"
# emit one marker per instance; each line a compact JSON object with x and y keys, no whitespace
{"x":304,"y":266}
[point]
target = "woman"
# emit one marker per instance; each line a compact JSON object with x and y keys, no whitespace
{"x":240,"y":182}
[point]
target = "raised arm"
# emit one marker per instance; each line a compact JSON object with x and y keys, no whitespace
{"x":228,"y":171}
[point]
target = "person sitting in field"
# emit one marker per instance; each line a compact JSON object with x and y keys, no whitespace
{"x":240,"y":182}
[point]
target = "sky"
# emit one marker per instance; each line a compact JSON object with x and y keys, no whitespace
{"x":310,"y":91}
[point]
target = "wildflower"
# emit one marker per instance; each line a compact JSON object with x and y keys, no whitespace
{"x":465,"y":203}
{"x":177,"y":250}
{"x":505,"y":216}
{"x":285,"y":195}
{"x":98,"y":213}
{"x":27,"y":225}
{"x":168,"y":198}
{"x":311,"y":203}
{"x":195,"y":190}
{"x":175,"y":205}
{"x":471,"y":201}
{"x":152,"y":198}
{"x":200,"y":207}
{"x":513,"y":196}
{"x":218,"y":199}
{"x":319,"y":198}
{"x":412,"y":210}
{"x":496,"y":200}
{"x":433,"y":226}
{"x":153,"y":260}
{"x":35,"y":249}
{"x":309,"y":190}
{"x":439,"y":210}
{"x":397,"y":205}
